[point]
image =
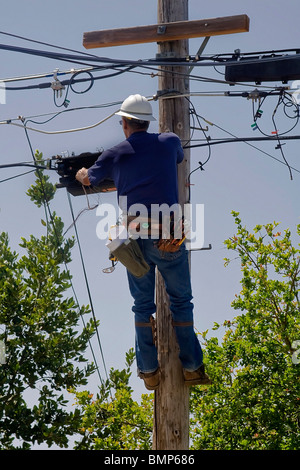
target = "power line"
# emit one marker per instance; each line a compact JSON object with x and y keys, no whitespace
{"x":247,"y":141}
{"x":83,"y":56}
{"x":47,"y":208}
{"x":45,"y":75}
{"x":16,"y":176}
{"x":66,"y":131}
{"x":86,"y":281}
{"x":53,"y":115}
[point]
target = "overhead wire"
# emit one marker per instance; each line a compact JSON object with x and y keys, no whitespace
{"x":279,"y":146}
{"x":86,"y":282}
{"x":132,"y":69}
{"x":83,"y":56}
{"x":49,"y":212}
{"x":230,"y":54}
{"x":245,"y":140}
{"x":16,"y":176}
{"x":148,"y":64}
{"x":283,"y":99}
{"x":66,"y":131}
{"x":113,"y":64}
{"x":52,"y":115}
{"x":44,"y":75}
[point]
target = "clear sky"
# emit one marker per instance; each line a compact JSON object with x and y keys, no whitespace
{"x":237,"y":176}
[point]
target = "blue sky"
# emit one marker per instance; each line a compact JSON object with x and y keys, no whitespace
{"x":237,"y":176}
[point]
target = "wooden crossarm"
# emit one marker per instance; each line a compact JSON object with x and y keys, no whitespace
{"x":163,"y":32}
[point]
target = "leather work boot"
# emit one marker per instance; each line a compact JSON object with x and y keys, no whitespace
{"x":151,"y":379}
{"x":196,"y":377}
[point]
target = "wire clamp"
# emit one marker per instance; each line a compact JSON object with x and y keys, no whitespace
{"x":57,"y":86}
{"x":254,"y":95}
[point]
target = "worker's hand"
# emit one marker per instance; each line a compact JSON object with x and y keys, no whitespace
{"x":82,"y":177}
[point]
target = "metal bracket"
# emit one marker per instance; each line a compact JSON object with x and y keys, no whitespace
{"x":57,"y":86}
{"x":161,"y":29}
{"x":205,"y":129}
{"x":209,"y":247}
{"x":166,"y":92}
{"x":165,"y":55}
{"x":200,"y":51}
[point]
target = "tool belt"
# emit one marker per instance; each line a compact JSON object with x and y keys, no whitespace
{"x":170,"y":234}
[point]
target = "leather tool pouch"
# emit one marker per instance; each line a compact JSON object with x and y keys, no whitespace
{"x":131,"y":256}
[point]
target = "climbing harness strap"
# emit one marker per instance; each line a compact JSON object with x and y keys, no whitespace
{"x":150,"y":324}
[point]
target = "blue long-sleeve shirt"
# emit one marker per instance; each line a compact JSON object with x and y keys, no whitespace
{"x":143,"y":168}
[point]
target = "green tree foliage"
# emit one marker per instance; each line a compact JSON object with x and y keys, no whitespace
{"x":254,"y":402}
{"x":44,"y":343}
{"x":111,"y":422}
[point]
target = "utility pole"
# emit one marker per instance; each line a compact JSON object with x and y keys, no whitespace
{"x":171,"y":404}
{"x":171,"y":401}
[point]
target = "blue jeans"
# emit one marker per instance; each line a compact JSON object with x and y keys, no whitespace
{"x":174,"y":268}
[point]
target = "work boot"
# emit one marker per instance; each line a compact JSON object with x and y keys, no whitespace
{"x":151,"y":379}
{"x":196,"y":377}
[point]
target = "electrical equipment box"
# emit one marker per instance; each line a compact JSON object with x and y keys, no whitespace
{"x":67,"y":168}
{"x":271,"y":68}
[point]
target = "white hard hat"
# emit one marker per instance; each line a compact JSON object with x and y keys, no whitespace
{"x":136,"y":107}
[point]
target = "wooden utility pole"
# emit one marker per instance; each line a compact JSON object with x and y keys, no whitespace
{"x":171,"y":404}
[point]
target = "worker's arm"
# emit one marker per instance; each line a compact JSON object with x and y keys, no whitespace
{"x":82,"y":177}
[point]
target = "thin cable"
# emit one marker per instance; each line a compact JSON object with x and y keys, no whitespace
{"x":86,"y":281}
{"x":53,"y":115}
{"x":80,"y":56}
{"x":47,"y":207}
{"x":45,"y":75}
{"x":45,"y":43}
{"x":278,"y":139}
{"x":259,"y":53}
{"x":12,"y":165}
{"x":247,"y":140}
{"x":16,"y":176}
{"x":285,"y":100}
{"x":59,"y":132}
{"x":88,"y":208}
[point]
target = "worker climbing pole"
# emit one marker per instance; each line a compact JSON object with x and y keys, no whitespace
{"x":168,"y":377}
